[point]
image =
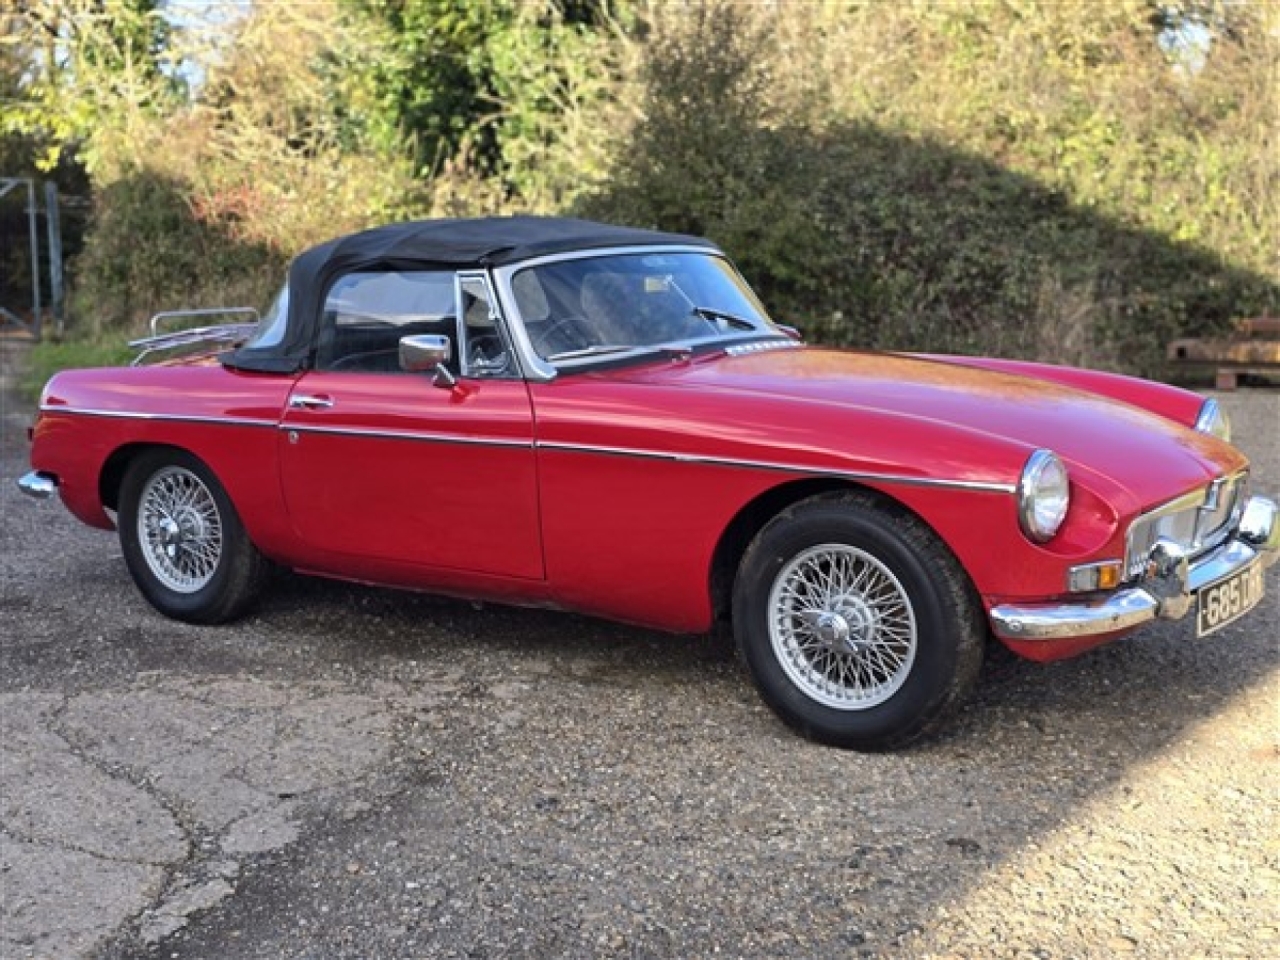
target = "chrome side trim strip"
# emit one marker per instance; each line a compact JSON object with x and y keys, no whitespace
{"x":176,"y":417}
{"x":975,"y":485}
{"x":407,"y":435}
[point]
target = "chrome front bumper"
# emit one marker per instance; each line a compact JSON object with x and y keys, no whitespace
{"x":38,"y":484}
{"x":1167,"y":592}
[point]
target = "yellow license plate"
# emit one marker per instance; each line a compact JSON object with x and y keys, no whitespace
{"x":1228,"y":600}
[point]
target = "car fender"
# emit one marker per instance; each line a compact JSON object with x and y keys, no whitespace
{"x":92,"y":421}
{"x":640,"y":483}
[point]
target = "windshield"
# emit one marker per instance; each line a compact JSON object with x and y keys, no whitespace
{"x":271,"y":327}
{"x":589,"y":307}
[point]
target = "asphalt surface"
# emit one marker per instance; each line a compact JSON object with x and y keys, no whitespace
{"x":354,"y":772}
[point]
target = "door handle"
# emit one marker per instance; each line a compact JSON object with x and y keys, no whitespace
{"x":303,"y":402}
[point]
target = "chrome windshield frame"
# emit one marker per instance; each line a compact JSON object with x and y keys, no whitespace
{"x":540,"y":370}
{"x":501,"y":319}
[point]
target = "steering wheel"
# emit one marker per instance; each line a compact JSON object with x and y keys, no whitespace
{"x":487,"y":355}
{"x":557,"y":335}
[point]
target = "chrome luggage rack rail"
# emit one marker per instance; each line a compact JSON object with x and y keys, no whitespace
{"x":222,"y":333}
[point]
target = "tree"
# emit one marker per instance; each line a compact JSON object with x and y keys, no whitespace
{"x":492,"y":82}
{"x":86,"y":69}
{"x":972,"y":176}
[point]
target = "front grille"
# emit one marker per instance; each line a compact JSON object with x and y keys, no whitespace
{"x":1196,"y":522}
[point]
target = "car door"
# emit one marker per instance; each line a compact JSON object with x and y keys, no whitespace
{"x":380,"y":463}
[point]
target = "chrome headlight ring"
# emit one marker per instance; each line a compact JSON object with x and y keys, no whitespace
{"x":1213,"y":420}
{"x":1044,"y":495}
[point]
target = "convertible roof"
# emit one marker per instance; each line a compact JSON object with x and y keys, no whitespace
{"x":424,"y":245}
{"x":491,"y":241}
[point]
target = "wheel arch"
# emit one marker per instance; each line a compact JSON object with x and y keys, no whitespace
{"x":111,"y":476}
{"x":753,"y":517}
{"x":229,"y":572}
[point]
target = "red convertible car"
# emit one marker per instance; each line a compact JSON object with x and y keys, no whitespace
{"x":559,"y":413}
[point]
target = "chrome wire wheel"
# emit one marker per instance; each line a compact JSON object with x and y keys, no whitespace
{"x":179,"y":529}
{"x":842,"y":627}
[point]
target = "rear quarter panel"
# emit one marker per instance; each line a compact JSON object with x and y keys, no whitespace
{"x":227,"y":419}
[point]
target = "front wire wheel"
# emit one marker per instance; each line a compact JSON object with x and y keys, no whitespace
{"x":842,"y":627}
{"x":857,"y":624}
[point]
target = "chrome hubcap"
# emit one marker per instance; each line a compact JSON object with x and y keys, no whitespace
{"x":179,"y":529}
{"x":849,"y":628}
{"x":833,"y":630}
{"x":842,"y":627}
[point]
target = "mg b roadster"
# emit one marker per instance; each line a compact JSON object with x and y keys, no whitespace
{"x":552,"y":412}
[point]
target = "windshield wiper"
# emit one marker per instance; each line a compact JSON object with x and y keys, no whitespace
{"x":733,"y":320}
{"x":605,"y":349}
{"x":595,"y":350}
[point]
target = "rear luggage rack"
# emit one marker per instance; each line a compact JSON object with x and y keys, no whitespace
{"x":230,"y":334}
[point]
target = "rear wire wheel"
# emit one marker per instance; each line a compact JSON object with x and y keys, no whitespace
{"x":183,"y":541}
{"x":857,"y":624}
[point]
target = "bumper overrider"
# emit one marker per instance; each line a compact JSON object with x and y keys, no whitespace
{"x":1166,"y":591}
{"x":38,"y":484}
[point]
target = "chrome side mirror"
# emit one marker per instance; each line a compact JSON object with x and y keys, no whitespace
{"x":428,"y":351}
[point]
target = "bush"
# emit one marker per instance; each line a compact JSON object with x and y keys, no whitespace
{"x":971,"y":176}
{"x":147,"y":250}
{"x":49,"y":357}
{"x":882,"y":204}
{"x":202,"y":203}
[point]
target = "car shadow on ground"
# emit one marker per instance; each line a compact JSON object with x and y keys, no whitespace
{"x":1103,"y":712}
{"x":622,"y":711}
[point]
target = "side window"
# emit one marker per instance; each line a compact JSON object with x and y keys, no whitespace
{"x":274,"y":322}
{"x":366,"y":314}
{"x":488,"y":351}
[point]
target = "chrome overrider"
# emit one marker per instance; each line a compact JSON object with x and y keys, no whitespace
{"x":1165,"y":590}
{"x":38,"y":484}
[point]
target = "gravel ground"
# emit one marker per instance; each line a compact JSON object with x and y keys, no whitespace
{"x":354,"y":772}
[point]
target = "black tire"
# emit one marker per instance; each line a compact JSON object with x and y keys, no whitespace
{"x":222,"y":582}
{"x":905,"y":619}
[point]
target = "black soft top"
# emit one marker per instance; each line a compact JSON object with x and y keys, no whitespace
{"x":426,"y":245}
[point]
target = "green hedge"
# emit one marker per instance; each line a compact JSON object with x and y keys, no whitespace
{"x":884,"y":233}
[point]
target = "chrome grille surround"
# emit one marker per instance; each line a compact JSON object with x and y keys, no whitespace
{"x":1196,"y":522}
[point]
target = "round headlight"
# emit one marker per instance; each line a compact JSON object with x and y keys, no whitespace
{"x":1044,"y":493}
{"x":1213,"y":421}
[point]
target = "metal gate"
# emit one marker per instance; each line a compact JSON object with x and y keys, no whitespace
{"x":9,"y":316}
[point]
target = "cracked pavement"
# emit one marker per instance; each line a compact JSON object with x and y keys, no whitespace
{"x":152,"y":792}
{"x":352,"y":772}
